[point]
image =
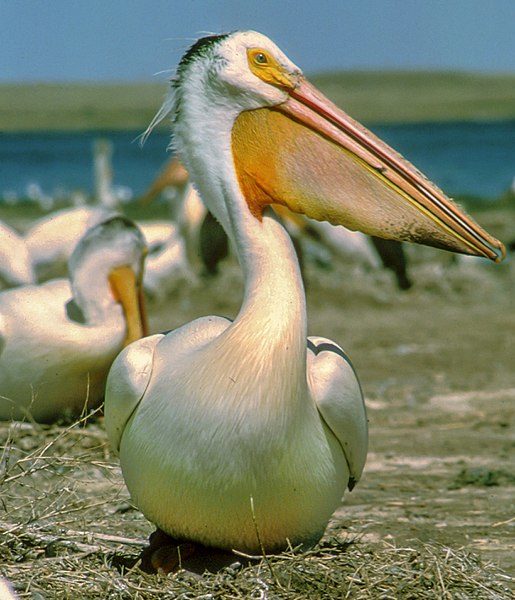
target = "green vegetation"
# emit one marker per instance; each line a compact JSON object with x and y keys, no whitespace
{"x":370,"y":96}
{"x":421,"y":96}
{"x":78,"y":106}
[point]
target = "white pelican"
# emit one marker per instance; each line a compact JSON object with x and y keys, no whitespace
{"x":52,"y":238}
{"x":166,"y":264}
{"x":187,"y":208}
{"x":15,"y":262}
{"x":368,"y":251}
{"x":103,"y":174}
{"x":240,"y":435}
{"x":58,"y":340}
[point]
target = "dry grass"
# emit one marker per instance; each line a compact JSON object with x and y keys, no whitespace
{"x":64,"y":508}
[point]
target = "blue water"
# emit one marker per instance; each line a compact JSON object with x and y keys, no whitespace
{"x":463,"y":158}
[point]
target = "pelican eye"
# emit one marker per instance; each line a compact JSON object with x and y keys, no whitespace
{"x":259,"y":57}
{"x":265,"y":66}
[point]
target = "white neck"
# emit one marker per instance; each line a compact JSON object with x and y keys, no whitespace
{"x":274,"y":293}
{"x":271,"y":324}
{"x":268,"y":336}
{"x":270,"y":328}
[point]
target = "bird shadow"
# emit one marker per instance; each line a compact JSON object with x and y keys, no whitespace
{"x":204,"y":559}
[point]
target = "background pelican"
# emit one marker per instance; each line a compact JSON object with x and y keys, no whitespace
{"x":58,"y":340}
{"x":188,"y":211}
{"x":15,"y":261}
{"x":368,"y":251}
{"x":52,"y":238}
{"x":239,"y":435}
{"x":166,"y":264}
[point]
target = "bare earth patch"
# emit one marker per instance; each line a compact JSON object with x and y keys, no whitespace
{"x":432,"y":516}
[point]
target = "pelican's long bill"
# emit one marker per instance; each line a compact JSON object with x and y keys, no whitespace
{"x":127,"y":291}
{"x":312,"y":157}
{"x":172,"y":175}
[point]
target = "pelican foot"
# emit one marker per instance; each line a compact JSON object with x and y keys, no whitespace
{"x":164,"y":554}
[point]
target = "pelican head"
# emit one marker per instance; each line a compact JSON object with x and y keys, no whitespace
{"x":106,"y":268}
{"x":240,"y":103}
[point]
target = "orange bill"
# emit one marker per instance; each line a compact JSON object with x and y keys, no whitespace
{"x":173,"y":174}
{"x":127,"y":291}
{"x":311,"y":157}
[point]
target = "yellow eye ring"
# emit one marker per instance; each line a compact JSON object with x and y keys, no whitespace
{"x":265,"y":66}
{"x":259,"y":57}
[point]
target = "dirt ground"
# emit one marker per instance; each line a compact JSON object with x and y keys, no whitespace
{"x":437,"y":368}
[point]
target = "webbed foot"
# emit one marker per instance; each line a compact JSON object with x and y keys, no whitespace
{"x":165,"y":554}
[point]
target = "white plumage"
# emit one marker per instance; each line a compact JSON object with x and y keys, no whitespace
{"x":236,"y":401}
{"x":15,"y":261}
{"x":218,"y":420}
{"x":166,"y":265}
{"x":58,"y":340}
{"x":52,"y":238}
{"x":232,"y":433}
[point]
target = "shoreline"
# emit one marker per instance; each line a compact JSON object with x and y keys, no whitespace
{"x":374,"y":97}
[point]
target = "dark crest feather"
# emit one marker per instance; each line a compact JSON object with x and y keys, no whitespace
{"x":200,"y":48}
{"x":173,"y":101}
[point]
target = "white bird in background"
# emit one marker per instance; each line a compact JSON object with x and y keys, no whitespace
{"x":191,"y":213}
{"x":166,"y":265}
{"x":157,"y":233}
{"x":347,"y":244}
{"x":187,"y":208}
{"x":244,"y":435}
{"x":103,"y":174}
{"x":15,"y":261}
{"x":58,"y":340}
{"x":367,"y":251}
{"x":52,"y":238}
